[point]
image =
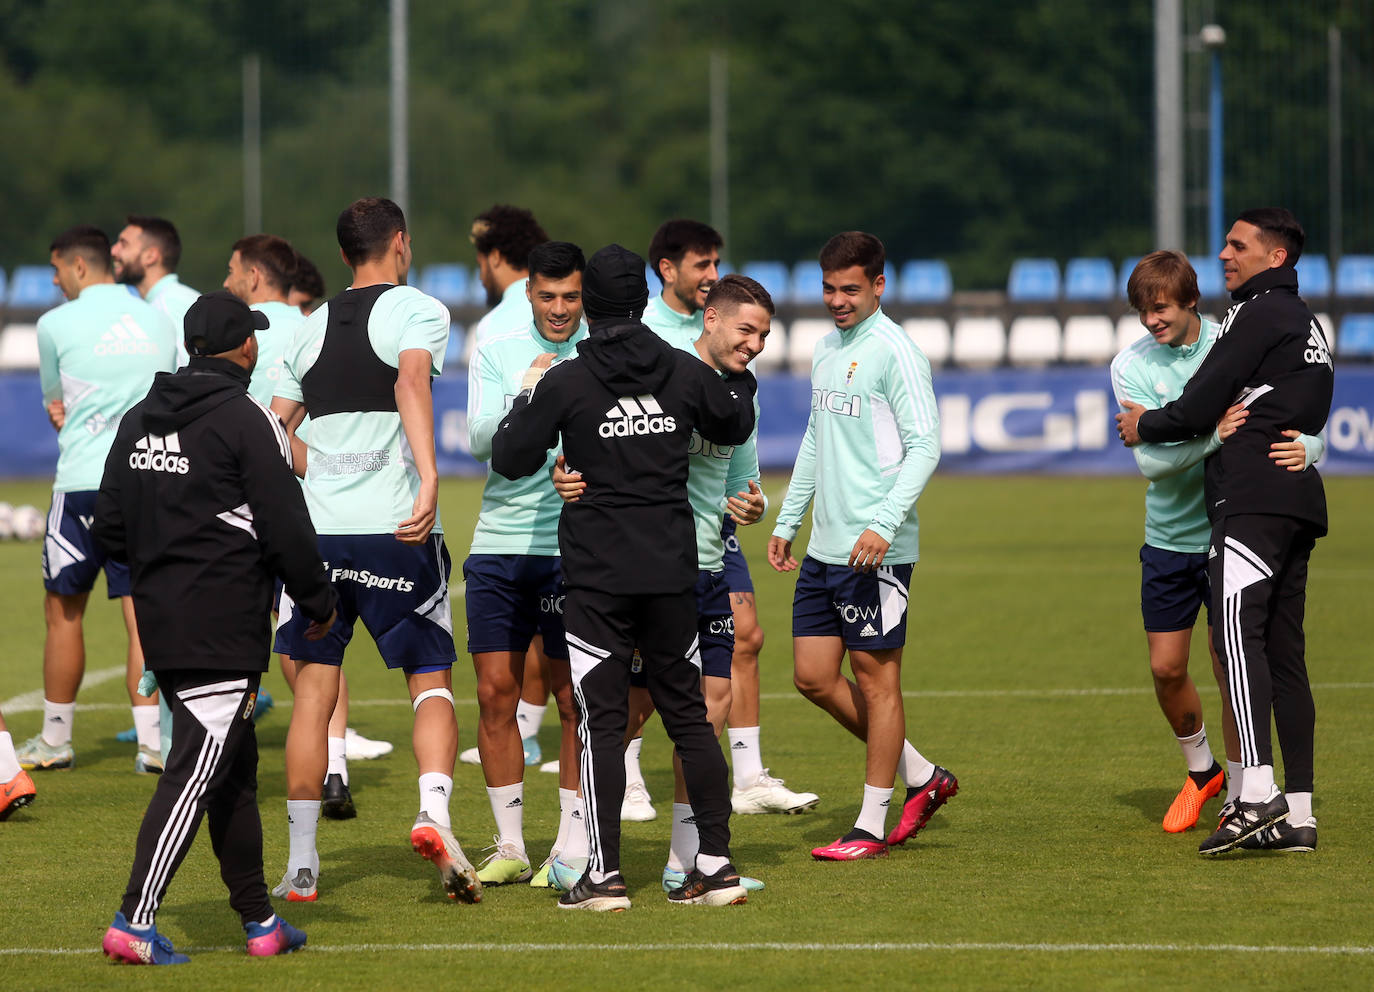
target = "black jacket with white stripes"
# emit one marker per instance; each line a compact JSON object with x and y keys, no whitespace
{"x":1272,"y":355}
{"x":199,"y":498}
{"x":626,"y":409}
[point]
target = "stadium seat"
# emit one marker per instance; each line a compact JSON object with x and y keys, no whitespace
{"x":32,"y":288}
{"x":924,"y":280}
{"x":773,"y":276}
{"x":1357,"y":336}
{"x":1354,"y":276}
{"x":1033,"y":280}
{"x":806,"y":283}
{"x":1089,"y":339}
{"x":1128,"y":329}
{"x":773,"y":358}
{"x":1034,"y":341}
{"x":1089,"y":279}
{"x":979,"y":341}
{"x":1211,"y":283}
{"x":19,"y":347}
{"x":931,"y":335}
{"x":456,"y":340}
{"x":2,"y":285}
{"x":1314,"y":276}
{"x":1127,"y":267}
{"x":446,"y":282}
{"x":802,"y":338}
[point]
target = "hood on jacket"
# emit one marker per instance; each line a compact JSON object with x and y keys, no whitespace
{"x":627,"y":357}
{"x":177,"y":398}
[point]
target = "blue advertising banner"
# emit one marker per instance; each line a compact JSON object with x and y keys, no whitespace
{"x":1056,"y":420}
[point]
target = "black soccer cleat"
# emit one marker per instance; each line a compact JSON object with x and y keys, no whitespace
{"x":609,"y":896}
{"x":1247,"y":820}
{"x":1286,"y":837}
{"x":724,"y":888}
{"x":337,"y":802}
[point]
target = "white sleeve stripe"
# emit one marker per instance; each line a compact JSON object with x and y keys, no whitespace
{"x":919,"y":393}
{"x":278,"y":431}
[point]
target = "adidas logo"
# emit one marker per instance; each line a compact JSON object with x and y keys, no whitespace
{"x":688,"y":819}
{"x":868,"y":631}
{"x":739,"y":746}
{"x":143,"y":948}
{"x":514,"y":803}
{"x":1211,"y":552}
{"x":885,"y":803}
{"x":439,"y":789}
{"x":56,"y":719}
{"x":636,"y":415}
{"x":1317,"y":352}
{"x":575,"y":815}
{"x":159,"y":454}
{"x":125,"y":338}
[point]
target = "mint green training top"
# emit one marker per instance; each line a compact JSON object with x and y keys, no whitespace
{"x":172,"y":298}
{"x":871,"y":444}
{"x":512,"y":312}
{"x":272,"y":344}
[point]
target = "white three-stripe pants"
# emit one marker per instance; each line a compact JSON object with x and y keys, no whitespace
{"x":1258,"y":571}
{"x":212,"y":768}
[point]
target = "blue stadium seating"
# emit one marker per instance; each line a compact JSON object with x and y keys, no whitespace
{"x":1314,"y":276}
{"x":773,"y":276}
{"x":806,"y":283}
{"x":1211,"y":281}
{"x":1033,"y":280}
{"x":32,"y":288}
{"x":1127,"y":267}
{"x":453,"y":355}
{"x":445,"y":282}
{"x":1089,"y":279}
{"x":2,"y":284}
{"x":1356,"y":339}
{"x":925,"y":280}
{"x":1355,"y":276}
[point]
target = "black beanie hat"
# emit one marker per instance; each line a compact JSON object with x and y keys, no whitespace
{"x":613,"y":285}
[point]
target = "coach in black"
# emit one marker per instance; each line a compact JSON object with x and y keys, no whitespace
{"x":1272,"y":356}
{"x":626,"y":409}
{"x":199,"y":498}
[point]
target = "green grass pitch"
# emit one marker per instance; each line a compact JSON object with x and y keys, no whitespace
{"x":1025,"y":673}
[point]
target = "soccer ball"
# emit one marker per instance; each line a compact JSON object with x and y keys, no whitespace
{"x":6,"y":521}
{"x":28,"y":523}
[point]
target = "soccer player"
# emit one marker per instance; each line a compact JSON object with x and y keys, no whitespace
{"x":16,"y":787}
{"x":198,"y":464}
{"x":1173,"y":587}
{"x":625,"y":411}
{"x":1271,"y":355}
{"x":871,"y":445}
{"x":145,"y":257}
{"x":307,"y":286}
{"x":360,"y":367}
{"x":98,"y":354}
{"x":514,"y":581}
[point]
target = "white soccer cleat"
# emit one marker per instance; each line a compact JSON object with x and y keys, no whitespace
{"x":637,"y":805}
{"x":769,"y":795}
{"x":552,"y":767}
{"x":437,"y":845}
{"x":360,"y":748}
{"x":470,"y":757}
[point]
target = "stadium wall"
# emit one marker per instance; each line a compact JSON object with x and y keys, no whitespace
{"x":1056,"y":420}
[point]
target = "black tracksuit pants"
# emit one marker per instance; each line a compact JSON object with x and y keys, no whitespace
{"x":1259,"y":590}
{"x":212,"y":768}
{"x":603,"y":631}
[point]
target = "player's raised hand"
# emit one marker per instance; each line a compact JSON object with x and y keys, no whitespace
{"x":1126,"y":423}
{"x":569,"y":485}
{"x":747,"y":507}
{"x":780,"y":554}
{"x":1231,"y":421}
{"x":868,"y":552}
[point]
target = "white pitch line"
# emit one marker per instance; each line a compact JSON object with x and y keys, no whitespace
{"x":783,"y":946}
{"x":28,"y":702}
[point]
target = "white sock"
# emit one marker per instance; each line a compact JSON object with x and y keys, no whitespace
{"x":632,"y":772}
{"x":269,"y":921}
{"x":302,"y":819}
{"x":57,"y":723}
{"x":9,"y":764}
{"x":338,"y":762}
{"x":709,"y":864}
{"x":682,"y":848}
{"x":1258,"y":786}
{"x":914,"y":770}
{"x":435,"y":789}
{"x":577,"y":844}
{"x":1299,"y":807}
{"x":508,"y":809}
{"x":600,"y":875}
{"x":873,"y":815}
{"x":528,"y":717}
{"x":746,"y":760}
{"x":148,"y":725}
{"x":1196,"y":751}
{"x":567,"y":802}
{"x":1235,"y":776}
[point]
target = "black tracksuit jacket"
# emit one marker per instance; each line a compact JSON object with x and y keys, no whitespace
{"x":1272,"y":355}
{"x":199,"y":498}
{"x":626,"y":409}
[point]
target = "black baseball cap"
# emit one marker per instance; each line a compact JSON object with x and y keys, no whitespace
{"x":220,"y":322}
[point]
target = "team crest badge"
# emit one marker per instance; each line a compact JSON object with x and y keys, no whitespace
{"x":850,"y":376}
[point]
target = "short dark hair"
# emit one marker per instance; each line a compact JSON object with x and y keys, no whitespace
{"x":1162,"y":275}
{"x":164,"y":234}
{"x":850,"y":248}
{"x":556,"y":260}
{"x":512,"y":231}
{"x":273,"y":255}
{"x":734,"y":290}
{"x":675,"y":238}
{"x":367,"y":226}
{"x":91,"y":243}
{"x":307,"y":278}
{"x":1280,"y":229}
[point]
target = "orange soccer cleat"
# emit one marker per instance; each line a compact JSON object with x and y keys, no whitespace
{"x":1187,"y":805}
{"x":15,"y":794}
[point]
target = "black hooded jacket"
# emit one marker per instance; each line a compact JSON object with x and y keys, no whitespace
{"x":626,"y":409}
{"x":1272,"y":355}
{"x":199,"y":498}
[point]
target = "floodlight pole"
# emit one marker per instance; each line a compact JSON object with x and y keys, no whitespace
{"x":400,"y":106}
{"x":1213,"y":38}
{"x":1333,"y":165}
{"x":1168,"y":124}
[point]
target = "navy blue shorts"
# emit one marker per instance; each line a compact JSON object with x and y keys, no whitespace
{"x":715,"y":629}
{"x":399,"y":592}
{"x":510,"y":598}
{"x":1173,"y":585}
{"x":737,"y":578}
{"x":867,"y":610}
{"x":72,"y":558}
